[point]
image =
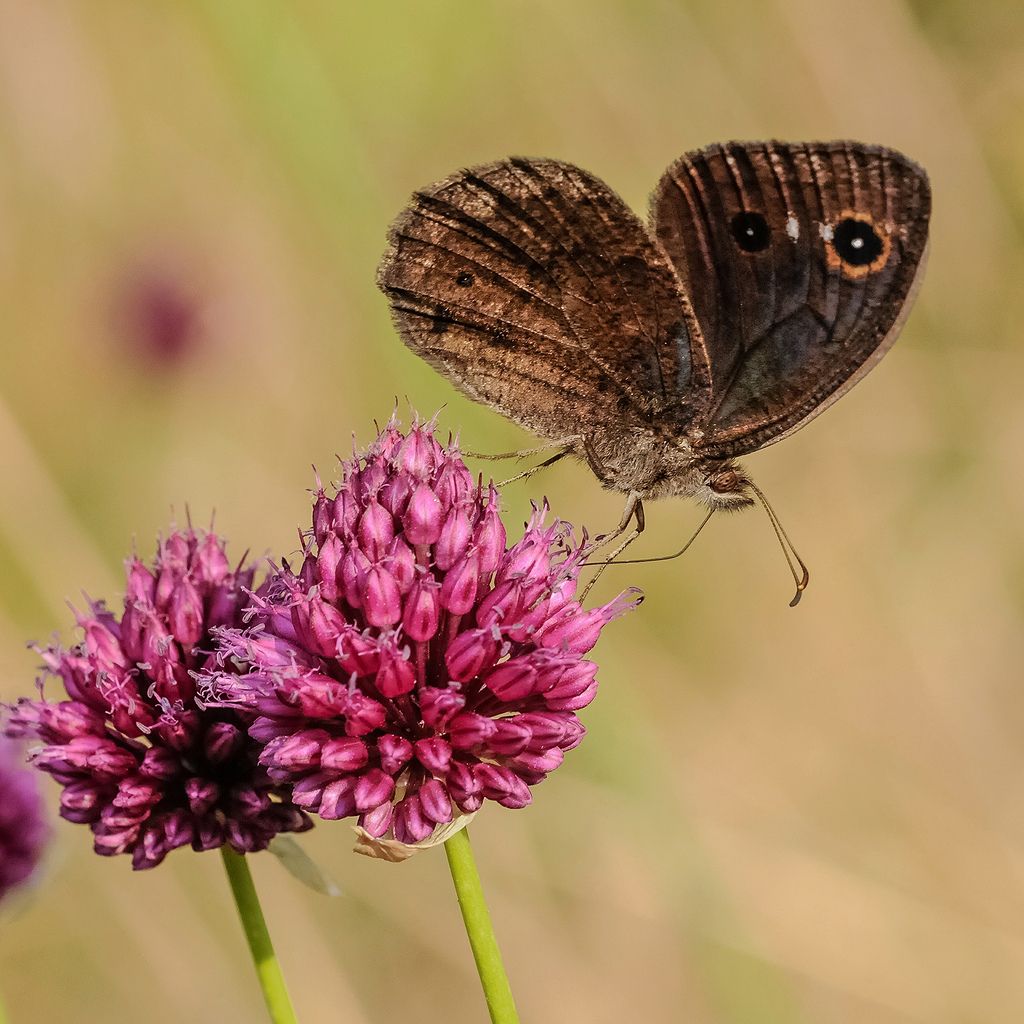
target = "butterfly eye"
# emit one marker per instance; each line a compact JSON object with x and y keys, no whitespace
{"x":751,"y":231}
{"x":857,"y":242}
{"x":725,"y":481}
{"x":464,"y":280}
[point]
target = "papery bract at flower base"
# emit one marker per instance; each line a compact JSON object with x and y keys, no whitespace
{"x":23,"y":827}
{"x":145,"y":765}
{"x":414,"y":666}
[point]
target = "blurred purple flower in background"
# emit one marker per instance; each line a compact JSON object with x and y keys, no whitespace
{"x":415,"y":667}
{"x":157,"y":313}
{"x":145,"y":766}
{"x":23,"y":827}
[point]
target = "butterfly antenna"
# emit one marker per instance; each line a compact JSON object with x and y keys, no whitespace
{"x":661,"y":558}
{"x":801,"y":578}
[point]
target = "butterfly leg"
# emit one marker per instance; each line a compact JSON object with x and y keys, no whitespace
{"x":565,"y":442}
{"x":633,"y":513}
{"x":526,"y":473}
{"x":634,"y":509}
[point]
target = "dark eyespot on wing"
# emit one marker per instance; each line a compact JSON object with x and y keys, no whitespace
{"x":751,"y":231}
{"x":859,"y":247}
{"x":856,"y":242}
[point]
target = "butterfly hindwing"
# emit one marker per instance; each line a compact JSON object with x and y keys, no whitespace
{"x":534,"y":289}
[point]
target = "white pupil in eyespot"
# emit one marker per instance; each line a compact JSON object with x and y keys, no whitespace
{"x":857,"y":243}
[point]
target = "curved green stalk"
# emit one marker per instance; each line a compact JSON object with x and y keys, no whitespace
{"x":268,"y":970}
{"x":477,"y":919}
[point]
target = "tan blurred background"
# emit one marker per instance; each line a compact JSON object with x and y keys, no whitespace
{"x":779,"y":817}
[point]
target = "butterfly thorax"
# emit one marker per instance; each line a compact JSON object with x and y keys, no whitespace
{"x":631,"y":459}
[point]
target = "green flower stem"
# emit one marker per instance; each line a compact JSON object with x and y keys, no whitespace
{"x":268,"y":970}
{"x":3,"y":1013}
{"x":477,"y":919}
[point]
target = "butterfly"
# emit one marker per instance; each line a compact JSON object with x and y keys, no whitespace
{"x":770,"y":277}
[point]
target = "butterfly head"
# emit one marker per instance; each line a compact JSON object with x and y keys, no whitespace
{"x":725,"y":486}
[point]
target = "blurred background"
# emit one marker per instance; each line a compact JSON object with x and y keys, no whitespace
{"x":778,"y":816}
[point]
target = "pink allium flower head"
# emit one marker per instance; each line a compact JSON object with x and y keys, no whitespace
{"x":23,"y":827}
{"x":145,"y":765}
{"x":415,"y":665}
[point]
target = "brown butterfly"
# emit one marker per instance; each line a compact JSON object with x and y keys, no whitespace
{"x":771,"y":278}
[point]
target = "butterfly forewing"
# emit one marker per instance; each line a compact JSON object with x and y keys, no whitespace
{"x":533,"y":287}
{"x":798,"y":259}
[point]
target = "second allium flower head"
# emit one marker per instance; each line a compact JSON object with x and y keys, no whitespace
{"x":141,"y":762}
{"x":414,"y":666}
